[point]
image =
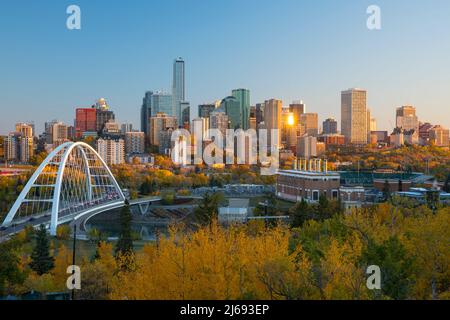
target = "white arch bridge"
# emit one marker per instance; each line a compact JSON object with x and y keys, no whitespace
{"x":73,"y":180}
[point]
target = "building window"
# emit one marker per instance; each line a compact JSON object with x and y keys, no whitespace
{"x":315,"y":195}
{"x":335,"y":194}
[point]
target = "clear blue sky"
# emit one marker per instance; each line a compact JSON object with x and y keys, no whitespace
{"x":286,"y":49}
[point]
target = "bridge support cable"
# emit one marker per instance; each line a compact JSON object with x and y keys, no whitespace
{"x":72,"y":179}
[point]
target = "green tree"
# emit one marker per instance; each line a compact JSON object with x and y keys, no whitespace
{"x":125,"y":243}
{"x":395,"y":264}
{"x":208,"y":208}
{"x":386,"y":191}
{"x":41,"y":260}
{"x":10,"y":271}
{"x":300,"y":214}
{"x":447,"y":184}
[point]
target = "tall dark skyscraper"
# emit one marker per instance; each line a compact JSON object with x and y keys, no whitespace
{"x":243,"y":96}
{"x":146,"y":111}
{"x":330,"y":126}
{"x":178,"y":88}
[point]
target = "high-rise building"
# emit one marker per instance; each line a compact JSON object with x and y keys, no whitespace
{"x":165,"y":141}
{"x":12,"y":146}
{"x":330,"y":126}
{"x":59,"y":133}
{"x":373,"y":124}
{"x":424,"y":132}
{"x":71,"y":132}
{"x":307,"y":147}
{"x":243,"y":96}
{"x":26,"y":148}
{"x":25,"y":140}
{"x":219,"y":120}
{"x":203,"y":124}
{"x":272,"y":120}
{"x":368,"y":117}
{"x":162,"y":103}
{"x":407,"y":120}
{"x":297,"y":108}
{"x":103,"y":116}
{"x":439,"y":136}
{"x":24,"y":129}
{"x":160,"y":123}
{"x":185,"y":107}
{"x":204,"y":110}
{"x":146,"y":111}
{"x":19,"y":145}
{"x":112,"y":128}
{"x":111,"y":150}
{"x":259,"y":112}
{"x":232,"y":108}
{"x":186,"y":117}
{"x":134,"y":142}
{"x":354,"y":116}
{"x":126,"y":127}
{"x":178,"y":88}
{"x":85,"y":121}
{"x":288,"y":129}
{"x":309,"y":123}
{"x":2,"y":147}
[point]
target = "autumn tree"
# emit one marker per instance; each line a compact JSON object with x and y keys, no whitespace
{"x":10,"y":271}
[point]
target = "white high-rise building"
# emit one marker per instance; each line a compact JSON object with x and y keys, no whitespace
{"x":112,"y":151}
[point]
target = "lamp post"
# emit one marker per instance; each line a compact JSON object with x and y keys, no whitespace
{"x":73,"y":257}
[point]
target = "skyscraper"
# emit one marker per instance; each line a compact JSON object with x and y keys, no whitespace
{"x":146,"y":111}
{"x":330,"y":126}
{"x":219,"y":120}
{"x":407,"y":120}
{"x":111,"y":150}
{"x":297,"y":108}
{"x":354,"y":116}
{"x":204,"y":110}
{"x":85,"y":121}
{"x":178,"y":88}
{"x":134,"y":142}
{"x":243,"y":96}
{"x":232,"y":108}
{"x":259,"y":112}
{"x":309,"y":124}
{"x":272,"y":119}
{"x":161,"y":102}
{"x":160,"y":122}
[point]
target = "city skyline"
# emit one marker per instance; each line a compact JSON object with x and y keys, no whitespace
{"x":402,"y":64}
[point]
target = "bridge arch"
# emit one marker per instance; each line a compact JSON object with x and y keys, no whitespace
{"x":73,"y":178}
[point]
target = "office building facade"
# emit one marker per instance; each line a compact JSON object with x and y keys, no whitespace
{"x":354,"y":116}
